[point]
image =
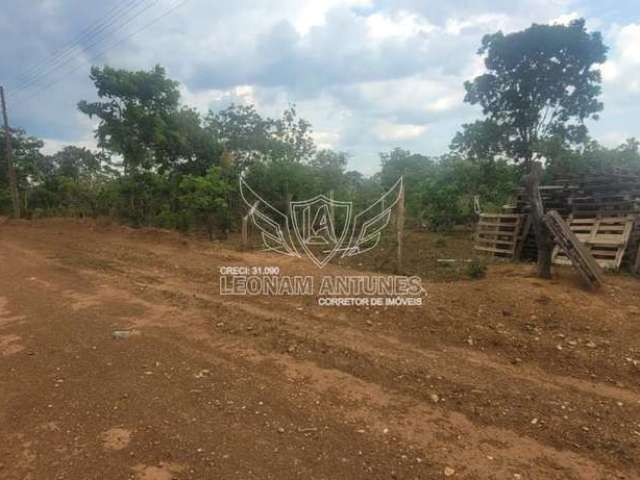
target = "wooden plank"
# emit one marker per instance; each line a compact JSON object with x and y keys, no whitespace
{"x":580,"y":257}
{"x":514,"y":216}
{"x":522,"y":237}
{"x":494,"y":231}
{"x":493,"y":250}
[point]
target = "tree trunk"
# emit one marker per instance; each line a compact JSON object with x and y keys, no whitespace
{"x":544,"y":241}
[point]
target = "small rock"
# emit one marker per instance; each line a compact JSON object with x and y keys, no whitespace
{"x":534,"y":421}
{"x":202,"y":373}
{"x":124,"y":334}
{"x":449,"y":472}
{"x":590,"y":344}
{"x":280,"y":430}
{"x":434,"y":398}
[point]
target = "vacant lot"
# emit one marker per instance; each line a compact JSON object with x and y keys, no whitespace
{"x":509,"y":377}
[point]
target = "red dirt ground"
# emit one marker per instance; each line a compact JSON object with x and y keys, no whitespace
{"x":508,"y":377}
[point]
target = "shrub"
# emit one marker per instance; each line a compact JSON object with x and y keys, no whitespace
{"x":477,"y":269}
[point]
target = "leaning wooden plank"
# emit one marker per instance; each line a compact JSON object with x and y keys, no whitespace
{"x":522,"y":238}
{"x":580,"y":257}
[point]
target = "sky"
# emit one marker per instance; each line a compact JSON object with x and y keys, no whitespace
{"x":370,"y":75}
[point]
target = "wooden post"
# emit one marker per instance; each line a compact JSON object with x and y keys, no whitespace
{"x":400,"y":230}
{"x":245,"y":226}
{"x":476,"y":205}
{"x":245,"y":232}
{"x":636,"y":264}
{"x":544,"y":241}
{"x":11,"y":170}
{"x":332,"y":209}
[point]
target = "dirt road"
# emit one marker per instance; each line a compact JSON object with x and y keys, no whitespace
{"x":504,"y":378}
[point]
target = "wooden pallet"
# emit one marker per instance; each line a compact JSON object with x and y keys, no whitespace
{"x":605,"y":238}
{"x":497,"y":234}
{"x":574,"y":249}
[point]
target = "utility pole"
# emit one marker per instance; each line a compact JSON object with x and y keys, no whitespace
{"x":11,"y":169}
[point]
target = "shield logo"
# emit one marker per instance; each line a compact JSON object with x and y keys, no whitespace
{"x":321,"y":226}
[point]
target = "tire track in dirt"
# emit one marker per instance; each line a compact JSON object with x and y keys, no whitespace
{"x":476,"y":447}
{"x":170,"y":303}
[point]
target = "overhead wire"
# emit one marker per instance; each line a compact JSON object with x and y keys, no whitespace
{"x":70,"y":56}
{"x":87,"y":32}
{"x":110,"y":47}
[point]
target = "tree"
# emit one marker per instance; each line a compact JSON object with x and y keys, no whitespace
{"x":136,"y":115}
{"x":447,"y":193}
{"x":592,"y":158}
{"x":30,"y":164}
{"x":482,"y":140}
{"x":243,"y":132}
{"x":206,"y":198}
{"x":541,"y":83}
{"x":413,"y":168}
{"x":251,"y":137}
{"x":76,"y":162}
{"x":292,"y":138}
{"x":328,"y":167}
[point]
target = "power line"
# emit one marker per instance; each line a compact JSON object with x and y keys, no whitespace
{"x":69,"y":57}
{"x":71,"y":54}
{"x":104,"y":51}
{"x":92,"y":29}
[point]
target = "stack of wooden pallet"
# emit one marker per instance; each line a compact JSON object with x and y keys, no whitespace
{"x":602,"y":209}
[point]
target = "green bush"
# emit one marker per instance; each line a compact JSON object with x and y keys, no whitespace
{"x":477,"y":269}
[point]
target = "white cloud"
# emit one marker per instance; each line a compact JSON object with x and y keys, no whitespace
{"x":366,"y":73}
{"x":314,"y":13}
{"x":387,"y":131}
{"x":325,"y":140}
{"x":566,"y":19}
{"x":496,"y":21}
{"x":401,"y":25}
{"x":52,"y":145}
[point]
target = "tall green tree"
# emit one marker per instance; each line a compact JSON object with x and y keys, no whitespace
{"x":540,"y":83}
{"x":30,"y":164}
{"x":413,"y":168}
{"x":137,"y":114}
